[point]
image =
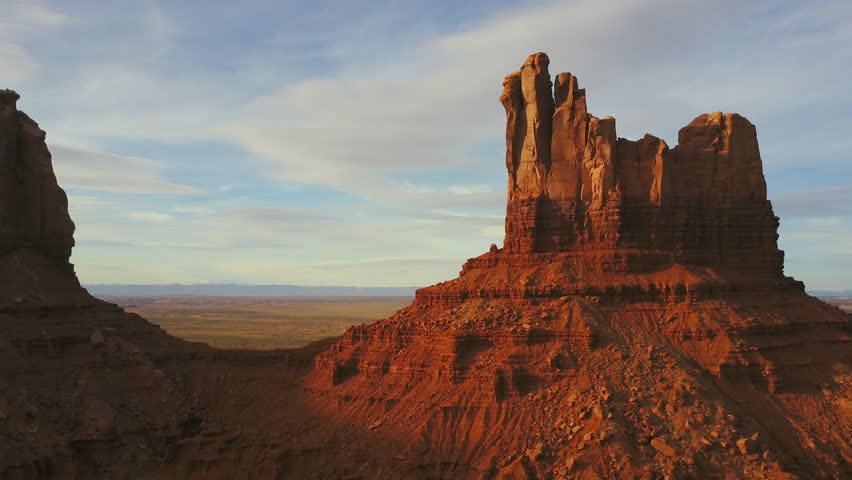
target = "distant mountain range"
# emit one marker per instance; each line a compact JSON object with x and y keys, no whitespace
{"x":830,"y":293}
{"x":227,"y":290}
{"x":232,"y":290}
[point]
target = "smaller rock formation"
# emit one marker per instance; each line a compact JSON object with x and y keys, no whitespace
{"x":36,"y":232}
{"x":33,"y":208}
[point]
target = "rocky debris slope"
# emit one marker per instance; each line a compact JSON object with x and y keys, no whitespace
{"x":636,"y":324}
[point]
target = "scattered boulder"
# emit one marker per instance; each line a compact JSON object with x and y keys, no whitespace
{"x":97,"y":338}
{"x":663,"y":447}
{"x":748,"y":446}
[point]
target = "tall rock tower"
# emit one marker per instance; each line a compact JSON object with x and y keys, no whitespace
{"x":633,"y":206}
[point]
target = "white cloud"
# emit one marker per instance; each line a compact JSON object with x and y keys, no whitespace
{"x":18,"y":66}
{"x":184,"y":246}
{"x":419,"y":199}
{"x":654,"y":65}
{"x":20,"y":21}
{"x":385,"y":260}
{"x":824,"y":202}
{"x":192,"y":210}
{"x":102,"y":172}
{"x":153,"y":217}
{"x":30,"y":14}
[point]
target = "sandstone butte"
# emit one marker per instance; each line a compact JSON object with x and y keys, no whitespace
{"x":637,"y":323}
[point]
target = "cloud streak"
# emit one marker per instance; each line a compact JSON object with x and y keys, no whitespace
{"x":101,"y":172}
{"x":826,"y":202}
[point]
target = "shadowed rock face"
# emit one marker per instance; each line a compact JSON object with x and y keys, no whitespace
{"x":36,"y":232}
{"x":33,"y":208}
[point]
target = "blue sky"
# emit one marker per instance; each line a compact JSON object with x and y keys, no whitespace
{"x":361,"y":143}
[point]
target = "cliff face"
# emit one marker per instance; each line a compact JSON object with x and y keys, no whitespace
{"x":574,"y":186}
{"x":36,"y":232}
{"x":33,"y":208}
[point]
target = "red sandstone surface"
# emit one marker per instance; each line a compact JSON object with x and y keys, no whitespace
{"x":637,"y":323}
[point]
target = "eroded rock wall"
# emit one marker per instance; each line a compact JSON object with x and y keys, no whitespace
{"x":702,"y":202}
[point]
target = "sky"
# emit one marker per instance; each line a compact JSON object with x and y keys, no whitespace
{"x":362,"y":143}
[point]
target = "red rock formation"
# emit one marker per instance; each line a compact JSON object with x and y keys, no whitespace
{"x":638,"y":289}
{"x":702,"y":203}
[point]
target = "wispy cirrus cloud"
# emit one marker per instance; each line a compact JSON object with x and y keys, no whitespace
{"x":20,"y":21}
{"x":151,"y":217}
{"x":102,"y":172}
{"x":818,"y":203}
{"x":351,"y":129}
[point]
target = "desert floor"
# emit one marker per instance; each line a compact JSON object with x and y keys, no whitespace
{"x":259,"y":322}
{"x":272,"y":322}
{"x":843,"y":302}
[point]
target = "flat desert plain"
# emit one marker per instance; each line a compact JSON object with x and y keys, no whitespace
{"x":843,"y":302}
{"x":259,"y":322}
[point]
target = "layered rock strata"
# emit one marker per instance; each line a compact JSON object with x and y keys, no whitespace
{"x":574,"y":186}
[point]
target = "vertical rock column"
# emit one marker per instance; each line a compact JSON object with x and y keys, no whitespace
{"x":528,"y":100}
{"x":33,"y":208}
{"x":717,"y":206}
{"x":538,"y":105}
{"x":598,"y":170}
{"x":570,"y":129}
{"x":513,"y":102}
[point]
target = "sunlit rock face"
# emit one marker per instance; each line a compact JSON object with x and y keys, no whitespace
{"x":574,"y":186}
